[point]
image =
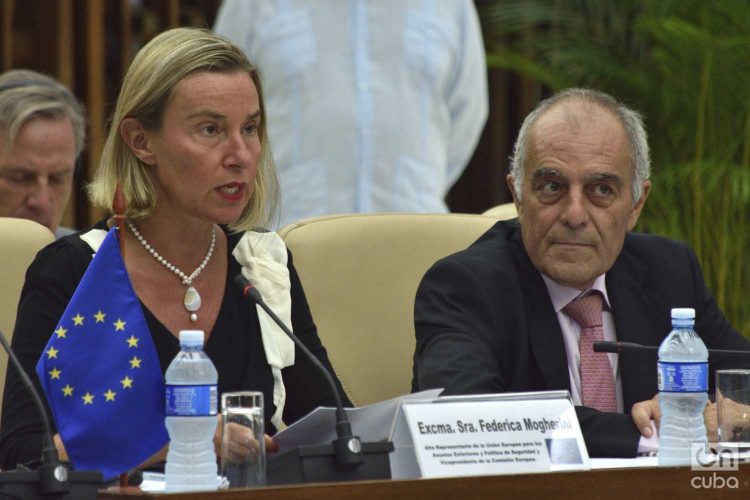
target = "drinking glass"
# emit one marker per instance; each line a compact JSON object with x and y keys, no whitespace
{"x":243,"y":451}
{"x":733,"y":406}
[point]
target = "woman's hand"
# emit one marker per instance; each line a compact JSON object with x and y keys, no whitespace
{"x":239,"y":444}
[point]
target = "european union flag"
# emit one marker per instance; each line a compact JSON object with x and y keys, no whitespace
{"x":101,"y":373}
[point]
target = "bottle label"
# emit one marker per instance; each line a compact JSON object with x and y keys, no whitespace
{"x":191,"y":400}
{"x":682,"y":377}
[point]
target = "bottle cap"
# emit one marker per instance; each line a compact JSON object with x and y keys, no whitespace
{"x":191,"y":337}
{"x":683,"y":313}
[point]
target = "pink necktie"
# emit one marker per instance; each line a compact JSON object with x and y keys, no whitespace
{"x":597,"y":379}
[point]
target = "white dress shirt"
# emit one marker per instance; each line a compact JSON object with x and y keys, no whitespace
{"x":372,"y":105}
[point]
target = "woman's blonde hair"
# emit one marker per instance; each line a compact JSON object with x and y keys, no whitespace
{"x":146,"y":92}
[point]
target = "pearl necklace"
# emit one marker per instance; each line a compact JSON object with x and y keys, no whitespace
{"x":192,"y":299}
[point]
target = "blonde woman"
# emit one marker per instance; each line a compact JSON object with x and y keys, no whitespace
{"x":188,"y":145}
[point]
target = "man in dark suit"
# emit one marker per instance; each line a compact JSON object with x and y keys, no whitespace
{"x":495,"y":317}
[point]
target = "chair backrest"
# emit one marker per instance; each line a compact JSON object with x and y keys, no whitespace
{"x":20,"y":240}
{"x":360,"y":274}
{"x":502,"y":212}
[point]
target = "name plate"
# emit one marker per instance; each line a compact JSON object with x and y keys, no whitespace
{"x":490,"y":434}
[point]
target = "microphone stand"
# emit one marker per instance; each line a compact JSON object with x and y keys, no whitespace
{"x":352,"y":460}
{"x":623,"y":347}
{"x":52,"y":479}
{"x":118,"y":217}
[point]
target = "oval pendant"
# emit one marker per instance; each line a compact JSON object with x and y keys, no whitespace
{"x":192,"y":299}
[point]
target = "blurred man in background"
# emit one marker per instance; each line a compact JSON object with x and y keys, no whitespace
{"x":42,"y":132}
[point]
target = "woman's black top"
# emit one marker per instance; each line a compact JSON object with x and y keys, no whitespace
{"x":234,"y":346}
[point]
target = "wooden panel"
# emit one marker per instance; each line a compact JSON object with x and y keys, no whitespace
{"x":173,"y":13}
{"x":42,"y":19}
{"x":64,"y":43}
{"x":64,"y":72}
{"x":124,"y":17}
{"x":7,"y":8}
{"x":94,"y":81}
{"x":168,"y":12}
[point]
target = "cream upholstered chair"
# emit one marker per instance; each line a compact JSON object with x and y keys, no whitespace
{"x":360,"y":274}
{"x":20,"y":240}
{"x":503,"y":212}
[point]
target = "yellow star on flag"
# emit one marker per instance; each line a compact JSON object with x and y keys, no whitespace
{"x":88,"y":399}
{"x":67,"y":390}
{"x":119,"y":325}
{"x":109,"y":395}
{"x":61,"y":332}
{"x":135,"y":362}
{"x":132,"y":341}
{"x":78,"y":320}
{"x":127,"y":383}
{"x":52,"y":352}
{"x":99,"y":317}
{"x":55,"y":374}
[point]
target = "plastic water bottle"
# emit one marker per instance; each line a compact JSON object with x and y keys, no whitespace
{"x":191,"y":417}
{"x":683,"y":386}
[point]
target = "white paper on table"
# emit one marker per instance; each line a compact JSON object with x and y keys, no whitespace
{"x":372,"y":423}
{"x":153,"y":482}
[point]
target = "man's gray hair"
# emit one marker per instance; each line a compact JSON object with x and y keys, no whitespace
{"x":631,"y":120}
{"x":26,"y":94}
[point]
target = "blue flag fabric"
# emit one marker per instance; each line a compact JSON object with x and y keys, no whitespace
{"x":101,"y":373}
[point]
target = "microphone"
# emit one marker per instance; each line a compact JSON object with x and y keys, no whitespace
{"x":353,"y":460}
{"x":53,"y":478}
{"x":348,"y":447}
{"x":620,"y":347}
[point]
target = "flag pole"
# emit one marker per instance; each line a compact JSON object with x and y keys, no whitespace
{"x":118,"y":209}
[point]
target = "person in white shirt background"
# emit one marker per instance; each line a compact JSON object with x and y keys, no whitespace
{"x":374,"y":106}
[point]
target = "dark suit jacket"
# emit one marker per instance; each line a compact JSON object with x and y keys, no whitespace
{"x":485,"y":324}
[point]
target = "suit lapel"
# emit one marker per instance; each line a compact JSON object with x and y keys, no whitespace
{"x":543,"y":328}
{"x":635,"y":311}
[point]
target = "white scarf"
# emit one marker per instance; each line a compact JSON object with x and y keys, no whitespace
{"x":263,"y":259}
